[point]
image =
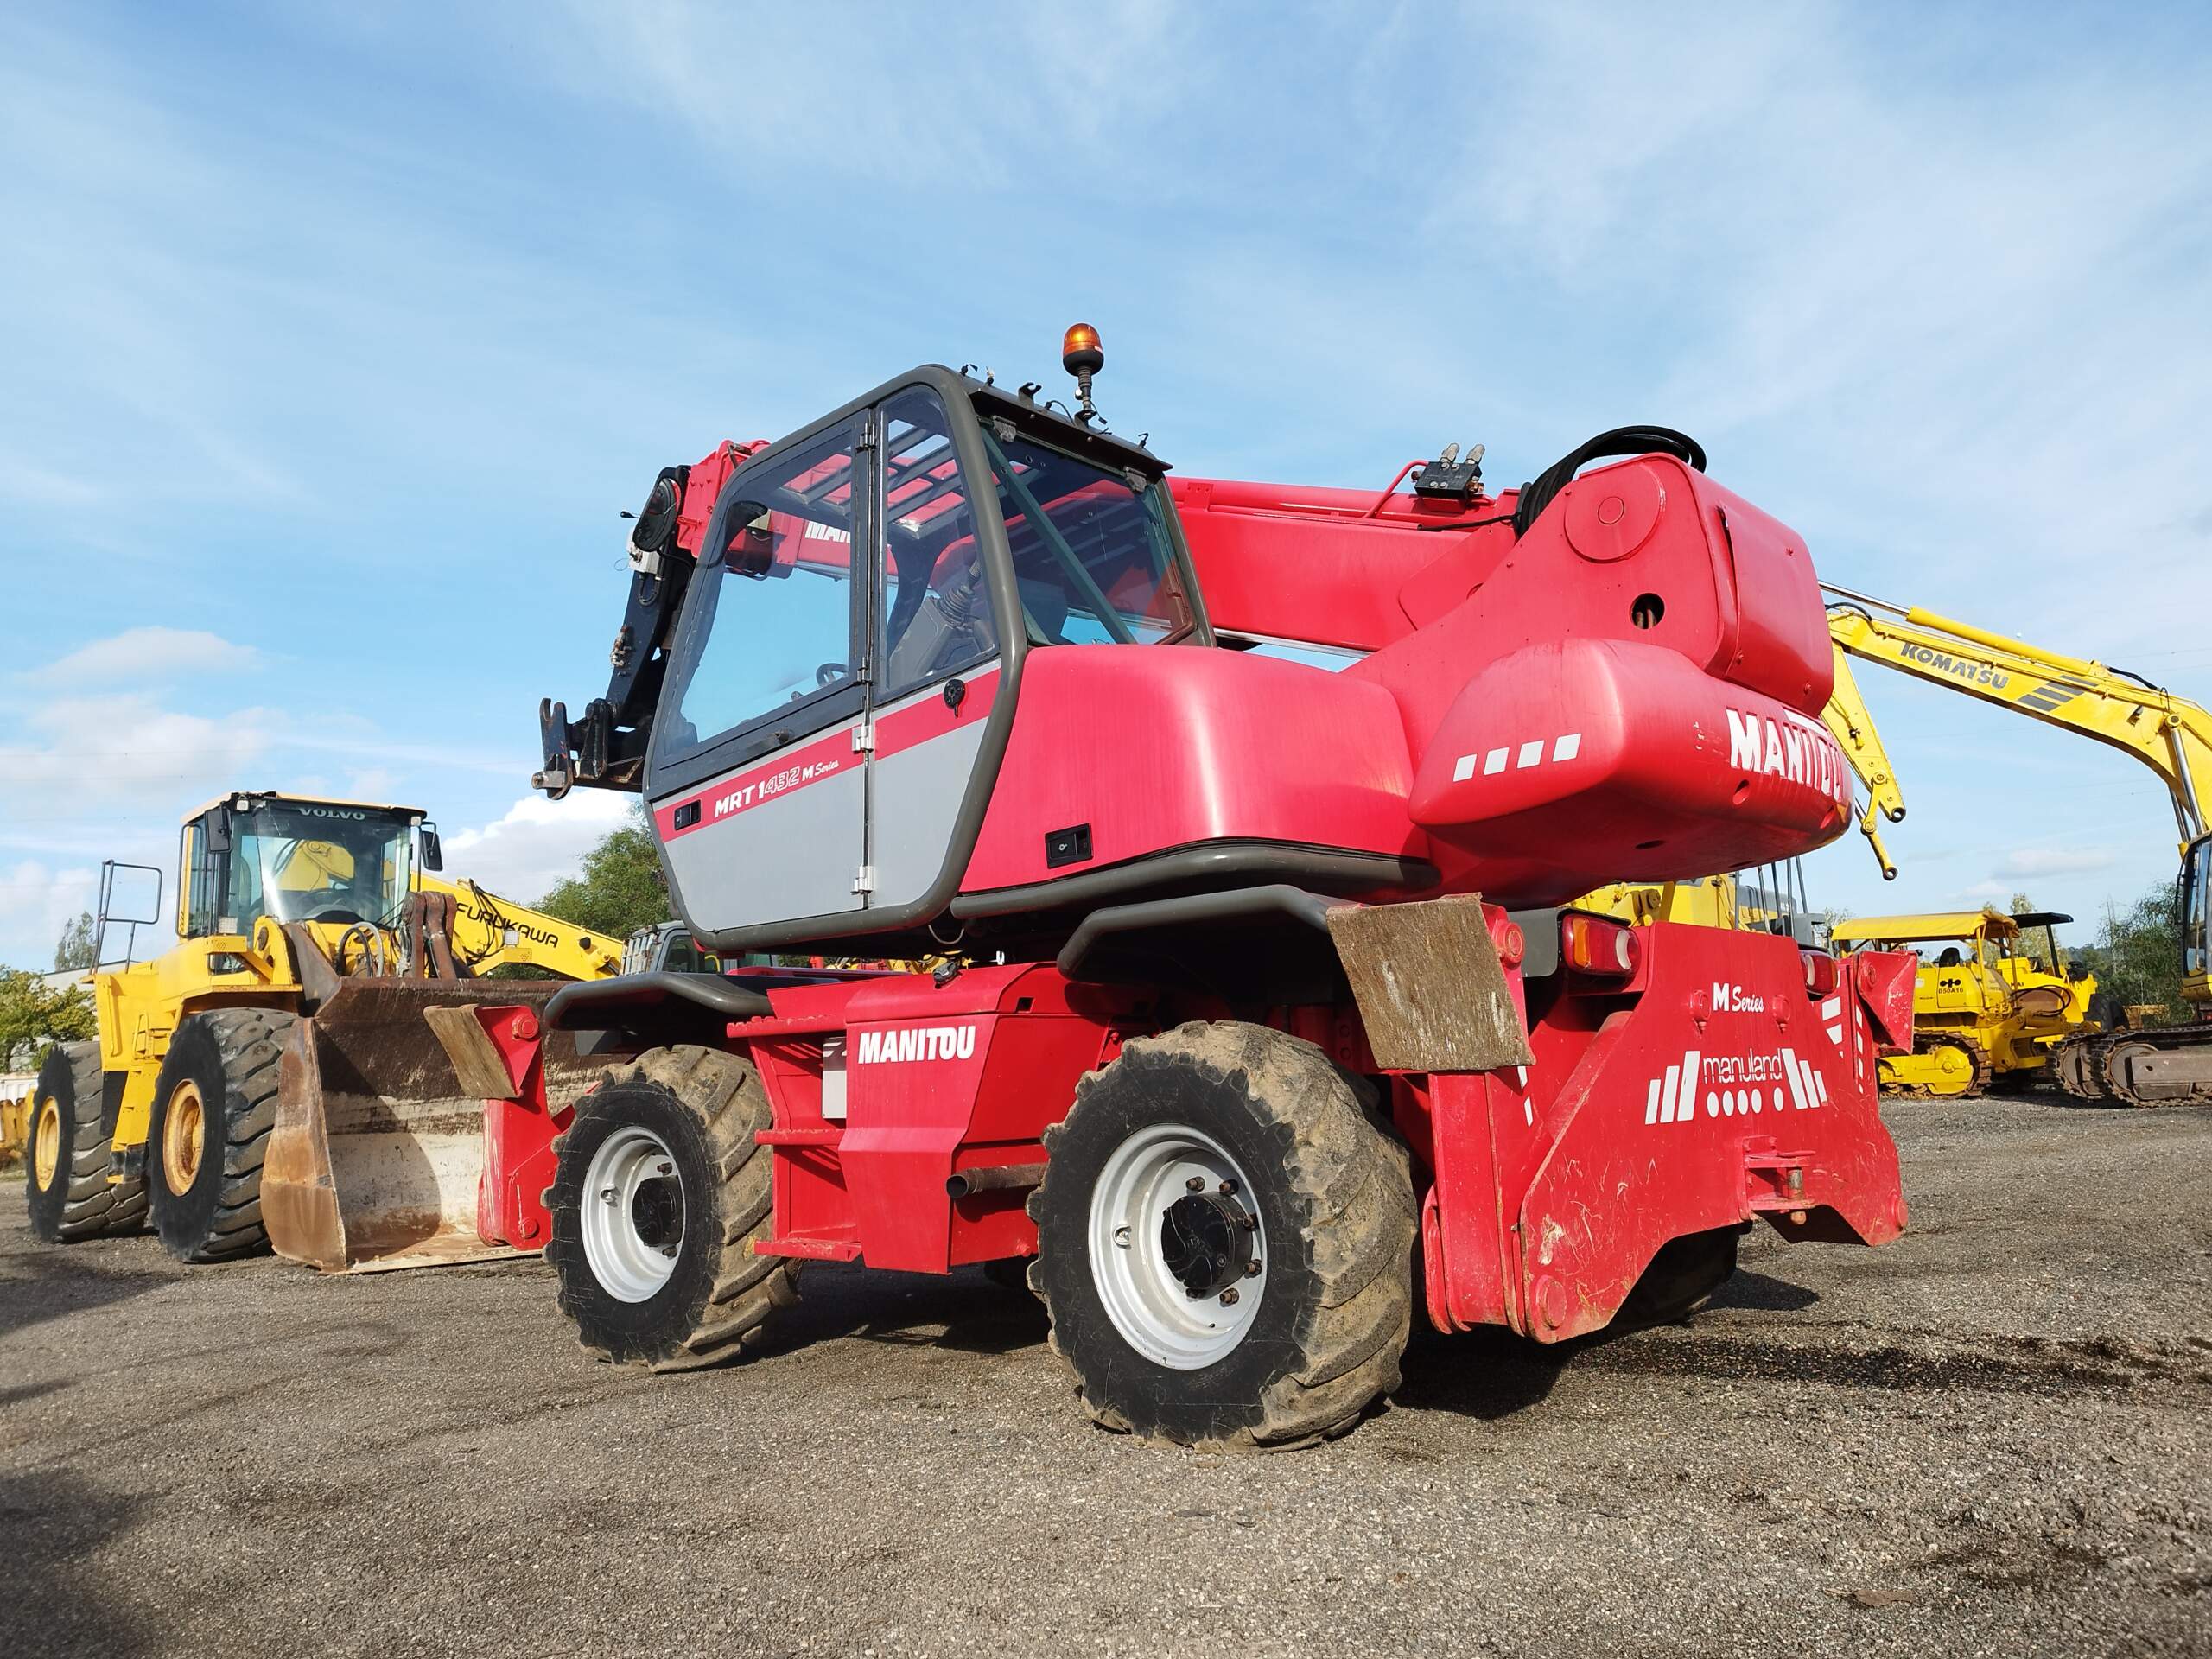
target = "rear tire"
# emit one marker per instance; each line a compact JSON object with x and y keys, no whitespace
{"x":214,"y":1104}
{"x":65,"y":1165}
{"x":662,"y":1273}
{"x":1683,"y":1274}
{"x":1268,"y":1305}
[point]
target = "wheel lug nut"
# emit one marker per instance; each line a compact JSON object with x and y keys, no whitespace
{"x":1196,"y":1184}
{"x":1250,"y":1223}
{"x":1229,"y":1297}
{"x":1251,"y":1269}
{"x":1229,"y":1189}
{"x":665,"y":1169}
{"x":607,"y":1195}
{"x":1121,"y":1237}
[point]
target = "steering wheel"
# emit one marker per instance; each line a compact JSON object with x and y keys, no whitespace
{"x":335,"y":914}
{"x":830,"y":674}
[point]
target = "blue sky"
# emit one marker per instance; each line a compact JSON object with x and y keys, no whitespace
{"x":332,"y":339}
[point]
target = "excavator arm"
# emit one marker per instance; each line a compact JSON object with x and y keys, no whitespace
{"x":1852,"y":724}
{"x":2170,"y":734}
{"x":484,"y":931}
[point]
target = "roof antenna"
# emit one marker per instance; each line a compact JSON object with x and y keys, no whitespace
{"x":1081,"y":357}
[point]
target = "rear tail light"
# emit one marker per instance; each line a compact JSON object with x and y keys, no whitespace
{"x":1820,"y":972}
{"x":1594,"y":945}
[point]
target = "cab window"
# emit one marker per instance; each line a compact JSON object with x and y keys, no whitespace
{"x":770,"y":625}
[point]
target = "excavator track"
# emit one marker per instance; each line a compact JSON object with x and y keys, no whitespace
{"x":2093,"y":1068}
{"x":1928,"y":1043}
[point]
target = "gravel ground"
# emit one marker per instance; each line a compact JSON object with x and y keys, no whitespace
{"x":1990,"y":1438}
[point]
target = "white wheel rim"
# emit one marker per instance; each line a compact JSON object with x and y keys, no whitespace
{"x":632,"y":1215}
{"x":1134,"y":1267}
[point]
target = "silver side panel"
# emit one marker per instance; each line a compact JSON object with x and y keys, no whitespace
{"x":917,"y":794}
{"x":797,"y":855}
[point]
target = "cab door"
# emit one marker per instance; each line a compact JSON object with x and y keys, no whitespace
{"x":757,"y":779}
{"x":936,"y":653}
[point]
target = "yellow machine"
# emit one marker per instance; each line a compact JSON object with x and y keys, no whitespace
{"x":271,"y":1076}
{"x":2168,"y":733}
{"x":1983,"y":1007}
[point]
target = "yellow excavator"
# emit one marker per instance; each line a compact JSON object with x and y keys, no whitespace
{"x":2167,"y":732}
{"x":271,"y":1077}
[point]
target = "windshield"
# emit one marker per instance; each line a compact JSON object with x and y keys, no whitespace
{"x":327,"y":863}
{"x":1091,"y":550}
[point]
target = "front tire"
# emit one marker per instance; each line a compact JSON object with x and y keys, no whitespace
{"x":1225,"y":1239}
{"x":214,"y":1104}
{"x":659,"y":1194}
{"x":65,"y":1165}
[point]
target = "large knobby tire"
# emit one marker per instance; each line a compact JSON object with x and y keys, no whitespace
{"x":659,"y":1194}
{"x":1264,"y":1219}
{"x":214,"y":1104}
{"x":65,"y":1165}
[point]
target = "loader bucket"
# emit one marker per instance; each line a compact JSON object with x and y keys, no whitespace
{"x":377,"y":1151}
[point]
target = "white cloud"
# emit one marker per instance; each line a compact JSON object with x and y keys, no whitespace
{"x":151,"y":653}
{"x":537,"y":844}
{"x":36,"y":900}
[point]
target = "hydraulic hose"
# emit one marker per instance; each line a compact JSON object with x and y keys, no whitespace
{"x":1621,"y":441}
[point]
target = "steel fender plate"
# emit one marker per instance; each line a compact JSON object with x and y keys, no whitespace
{"x":1431,"y":990}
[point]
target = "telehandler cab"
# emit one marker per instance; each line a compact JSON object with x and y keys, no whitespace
{"x":1257,"y":992}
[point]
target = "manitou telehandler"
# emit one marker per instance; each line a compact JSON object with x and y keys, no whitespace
{"x":1256,"y":995}
{"x":269,"y":1076}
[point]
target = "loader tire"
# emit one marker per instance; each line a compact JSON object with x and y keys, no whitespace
{"x":1225,"y":1236}
{"x":661,"y":1272}
{"x":1683,"y":1274}
{"x":214,"y":1104}
{"x":65,"y":1165}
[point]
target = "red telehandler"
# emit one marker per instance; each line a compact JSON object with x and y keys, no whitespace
{"x":1255,"y":1021}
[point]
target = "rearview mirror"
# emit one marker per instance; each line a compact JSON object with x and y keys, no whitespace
{"x":434,"y":856}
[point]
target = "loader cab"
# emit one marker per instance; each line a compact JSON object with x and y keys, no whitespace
{"x":2195,"y":908}
{"x":842,"y":679}
{"x":247,"y":857}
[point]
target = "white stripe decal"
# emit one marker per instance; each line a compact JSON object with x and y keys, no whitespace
{"x":1531,"y":752}
{"x":1463,"y":769}
{"x":1495,"y":761}
{"x":1667,"y":1100}
{"x":1651,"y":1104}
{"x":1689,"y":1085}
{"x":1567,"y":747}
{"x":1821,"y":1079}
{"x":1809,"y":1084}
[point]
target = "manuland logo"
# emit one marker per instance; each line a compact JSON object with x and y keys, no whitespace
{"x":917,"y":1043}
{"x":1734,"y":1085}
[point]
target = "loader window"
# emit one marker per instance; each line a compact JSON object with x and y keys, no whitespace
{"x":2197,"y":908}
{"x":769,"y":626}
{"x":313,"y":862}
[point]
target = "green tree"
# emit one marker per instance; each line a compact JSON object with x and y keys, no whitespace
{"x":2137,"y":956}
{"x":34,"y":1013}
{"x":619,"y":888}
{"x":2031,"y":944}
{"x":76,"y":948}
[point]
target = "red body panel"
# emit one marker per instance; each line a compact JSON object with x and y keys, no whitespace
{"x":1198,"y":746}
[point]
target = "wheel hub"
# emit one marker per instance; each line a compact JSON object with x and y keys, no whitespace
{"x":183,"y":1135}
{"x":1205,"y":1241}
{"x":631,"y":1217}
{"x":46,"y":1143}
{"x":1178,"y":1250}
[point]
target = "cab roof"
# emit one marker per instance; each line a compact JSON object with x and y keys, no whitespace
{"x":1935,"y":924}
{"x":234,"y":796}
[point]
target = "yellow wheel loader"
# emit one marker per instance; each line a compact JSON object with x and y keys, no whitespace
{"x":1984,"y":1009}
{"x":271,"y":1078}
